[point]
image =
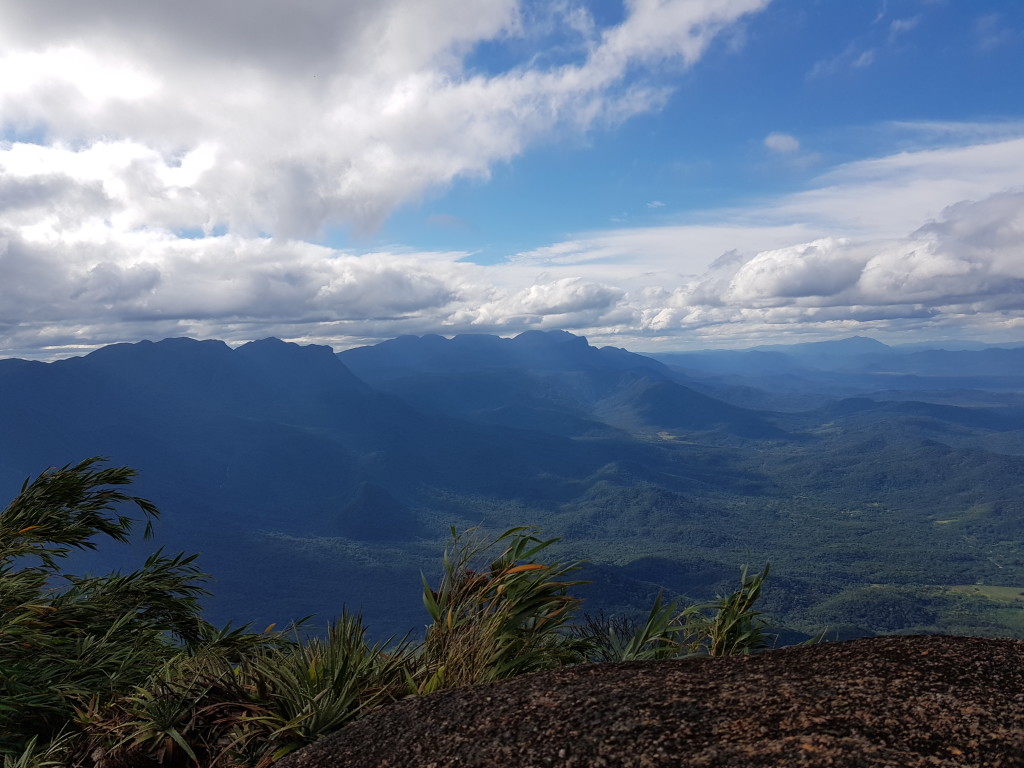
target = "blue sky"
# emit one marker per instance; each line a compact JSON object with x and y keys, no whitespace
{"x":655,"y":174}
{"x":836,"y":76}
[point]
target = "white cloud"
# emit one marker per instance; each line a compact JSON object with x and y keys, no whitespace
{"x":886,"y":196}
{"x":879,"y":250}
{"x":899,"y":26}
{"x":319,"y":114}
{"x":852,"y":57}
{"x":961,"y":270}
{"x":991,"y":31}
{"x":678,"y":250}
{"x":173,"y":156}
{"x":781,"y":142}
{"x":947,"y":134}
{"x":568,"y":302}
{"x":818,"y":268}
{"x":164,"y":162}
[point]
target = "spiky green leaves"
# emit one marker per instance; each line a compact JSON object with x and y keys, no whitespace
{"x":65,"y":639}
{"x":68,"y":508}
{"x":498,"y":611}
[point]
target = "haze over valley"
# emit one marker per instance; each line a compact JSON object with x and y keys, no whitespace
{"x":883,"y":484}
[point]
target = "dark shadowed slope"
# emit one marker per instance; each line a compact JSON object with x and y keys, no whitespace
{"x":277,"y":432}
{"x":305,"y":488}
{"x":547,"y":381}
{"x":894,"y":701}
{"x":533,"y":350}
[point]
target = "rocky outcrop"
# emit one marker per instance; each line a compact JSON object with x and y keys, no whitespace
{"x":883,"y":701}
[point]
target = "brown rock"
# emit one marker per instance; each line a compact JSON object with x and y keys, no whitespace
{"x":884,"y":701}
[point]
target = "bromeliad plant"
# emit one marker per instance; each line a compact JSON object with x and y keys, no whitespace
{"x":317,"y":685}
{"x":215,"y":711}
{"x":496,"y":616}
{"x":121,"y":670}
{"x":194,"y":710}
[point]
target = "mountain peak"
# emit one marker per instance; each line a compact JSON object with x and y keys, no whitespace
{"x":550,"y":338}
{"x":176,"y":345}
{"x":530,"y":351}
{"x":274,"y":345}
{"x":851,"y":345}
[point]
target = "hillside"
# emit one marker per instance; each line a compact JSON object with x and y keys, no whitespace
{"x":311,"y":480}
{"x":906,"y":701}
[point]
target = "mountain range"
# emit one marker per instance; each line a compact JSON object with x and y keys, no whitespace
{"x":883,"y":484}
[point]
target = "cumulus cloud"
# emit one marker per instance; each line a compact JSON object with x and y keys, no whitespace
{"x":879,"y":250}
{"x":568,"y":302}
{"x":991,"y":31}
{"x":162,"y":165}
{"x":266,"y":119}
{"x":819,"y":268}
{"x":963,"y":268}
{"x":737,"y":276}
{"x":901,"y":26}
{"x":165,"y":167}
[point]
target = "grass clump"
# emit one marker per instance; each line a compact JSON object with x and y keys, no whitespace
{"x":497,"y":613}
{"x":728,"y":626}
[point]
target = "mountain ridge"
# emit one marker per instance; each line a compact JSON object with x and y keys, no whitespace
{"x":340,"y":488}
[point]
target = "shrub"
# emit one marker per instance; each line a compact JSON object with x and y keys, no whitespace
{"x":735,"y":627}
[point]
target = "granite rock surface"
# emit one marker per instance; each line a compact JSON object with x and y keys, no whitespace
{"x":884,"y":701}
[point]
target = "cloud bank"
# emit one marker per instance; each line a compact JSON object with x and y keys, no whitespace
{"x":700,"y":284}
{"x":168,"y":169}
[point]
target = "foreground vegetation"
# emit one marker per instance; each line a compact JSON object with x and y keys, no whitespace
{"x":122,"y":670}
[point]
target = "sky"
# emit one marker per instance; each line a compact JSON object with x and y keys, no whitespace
{"x":658,"y":175}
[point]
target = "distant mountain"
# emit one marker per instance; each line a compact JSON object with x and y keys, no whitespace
{"x":795,"y":376}
{"x":310,"y":480}
{"x":230,"y":421}
{"x":994,"y":419}
{"x":285,"y":440}
{"x":237,"y":421}
{"x":848,"y":347}
{"x":779,"y":358}
{"x":990,"y":363}
{"x":548,"y":381}
{"x":538,"y":351}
